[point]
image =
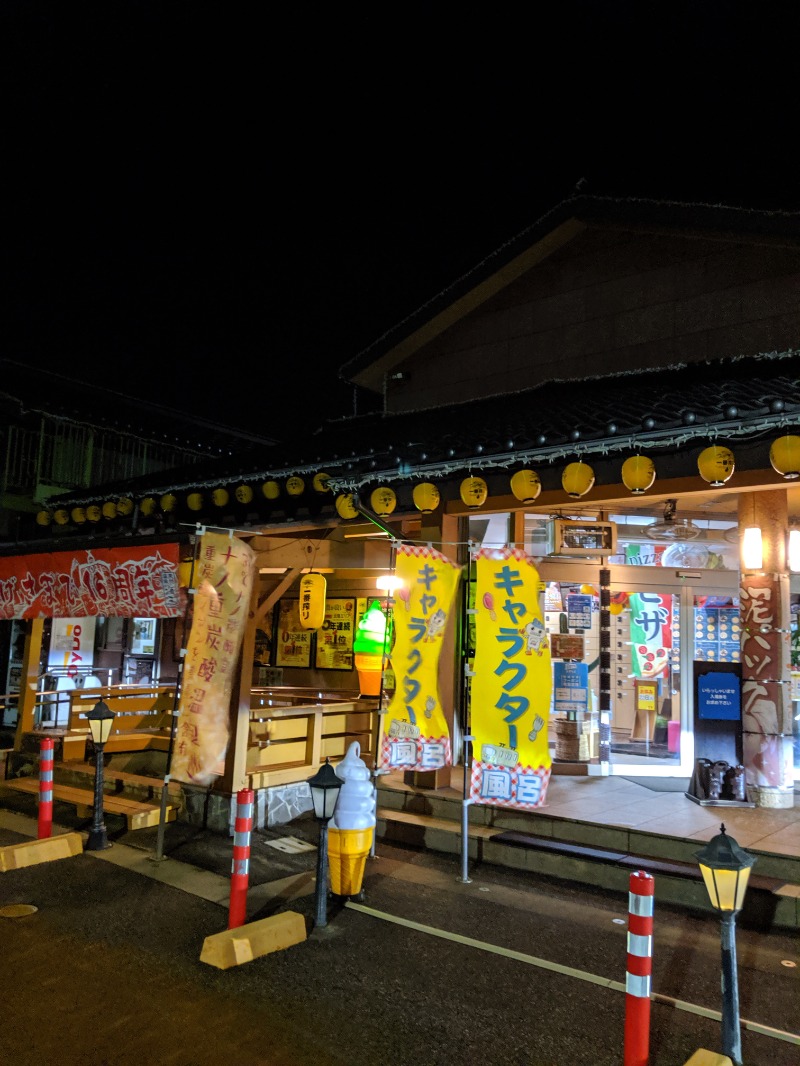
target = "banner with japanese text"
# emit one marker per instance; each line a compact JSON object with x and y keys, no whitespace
{"x":416,"y":734}
{"x":651,"y":632}
{"x":511,"y":683}
{"x":125,"y":582}
{"x":224,"y":575}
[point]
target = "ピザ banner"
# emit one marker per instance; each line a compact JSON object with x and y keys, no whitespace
{"x":417,"y":736}
{"x":651,"y":632}
{"x":511,"y":683}
{"x":224,"y":579}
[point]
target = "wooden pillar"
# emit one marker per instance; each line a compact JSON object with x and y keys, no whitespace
{"x":766,"y":653}
{"x":31,"y":659}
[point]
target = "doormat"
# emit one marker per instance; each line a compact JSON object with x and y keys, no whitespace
{"x":661,"y":784}
{"x":291,"y":845}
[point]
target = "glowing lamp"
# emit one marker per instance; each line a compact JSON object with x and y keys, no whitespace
{"x":78,"y":515}
{"x":194,"y":501}
{"x":638,"y":474}
{"x":295,"y":486}
{"x":312,"y":601}
{"x":426,"y":497}
{"x":794,"y":550}
{"x":93,"y":513}
{"x":271,"y":490}
{"x":526,"y":485}
{"x":320,"y":482}
{"x":752,"y":548}
{"x":345,"y":508}
{"x":725,"y":867}
{"x":383,"y":501}
{"x":243,"y":494}
{"x":220,"y":497}
{"x":716,"y":464}
{"x":784,"y":454}
{"x":474,"y":491}
{"x":168,"y":503}
{"x":109,"y":509}
{"x":577,"y":479}
{"x":388,"y":583}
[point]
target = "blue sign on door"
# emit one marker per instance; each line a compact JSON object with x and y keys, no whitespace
{"x":570,"y":687}
{"x":579,"y":611}
{"x":718,"y":696}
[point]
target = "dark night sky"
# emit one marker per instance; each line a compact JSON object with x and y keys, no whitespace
{"x":191,"y":183}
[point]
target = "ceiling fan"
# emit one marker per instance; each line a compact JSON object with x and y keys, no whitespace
{"x":672,"y":528}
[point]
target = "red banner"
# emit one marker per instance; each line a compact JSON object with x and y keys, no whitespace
{"x":134,"y":582}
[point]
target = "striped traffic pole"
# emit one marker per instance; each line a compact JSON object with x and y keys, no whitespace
{"x":640,"y":968}
{"x":45,"y":827}
{"x":240,"y":867}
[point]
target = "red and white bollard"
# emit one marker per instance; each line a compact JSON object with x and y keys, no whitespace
{"x":45,"y":826}
{"x":640,"y":968}
{"x":240,"y":867}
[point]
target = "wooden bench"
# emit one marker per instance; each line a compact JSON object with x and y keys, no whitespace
{"x":139,"y":815}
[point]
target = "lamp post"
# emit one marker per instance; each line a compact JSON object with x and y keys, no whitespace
{"x":324,"y":787}
{"x":726,"y":871}
{"x":100,"y":719}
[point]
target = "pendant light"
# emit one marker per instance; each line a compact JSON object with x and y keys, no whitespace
{"x":752,"y":546}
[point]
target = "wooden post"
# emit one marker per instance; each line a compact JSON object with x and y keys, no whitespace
{"x":30,"y":679}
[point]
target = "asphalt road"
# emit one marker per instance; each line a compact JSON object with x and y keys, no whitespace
{"x":107,"y":971}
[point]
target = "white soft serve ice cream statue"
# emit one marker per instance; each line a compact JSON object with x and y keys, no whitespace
{"x":355,"y":806}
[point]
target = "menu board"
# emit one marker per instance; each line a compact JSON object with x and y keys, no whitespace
{"x":335,"y":638}
{"x":717,"y":634}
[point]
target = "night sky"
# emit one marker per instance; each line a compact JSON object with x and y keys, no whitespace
{"x":216,"y":205}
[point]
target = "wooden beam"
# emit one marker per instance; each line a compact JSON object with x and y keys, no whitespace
{"x":31,"y":658}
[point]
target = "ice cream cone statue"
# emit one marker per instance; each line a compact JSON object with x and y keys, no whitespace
{"x":352,"y":826}
{"x":368,"y":650}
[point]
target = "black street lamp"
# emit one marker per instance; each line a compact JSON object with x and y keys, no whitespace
{"x":324,"y":787}
{"x":726,"y":871}
{"x":100,"y":719}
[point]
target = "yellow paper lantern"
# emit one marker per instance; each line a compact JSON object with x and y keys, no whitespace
{"x":312,"y":601}
{"x":345,"y":507}
{"x":526,"y":485}
{"x":383,"y":501}
{"x":426,"y":497}
{"x":638,"y":474}
{"x":168,"y":503}
{"x":124,"y":506}
{"x":784,"y":454}
{"x":244,"y":494}
{"x":320,"y":482}
{"x":194,"y":501}
{"x":78,"y":515}
{"x":295,"y":486}
{"x":716,"y":465}
{"x":220,"y":497}
{"x":93,"y":513}
{"x":61,"y":517}
{"x":577,"y":479}
{"x":43,"y":518}
{"x":271,"y":490}
{"x":109,"y":509}
{"x":147,"y":506}
{"x":473,"y":491}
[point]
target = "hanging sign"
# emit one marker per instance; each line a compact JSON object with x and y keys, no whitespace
{"x":116,"y":582}
{"x":225,"y":574}
{"x":511,"y":686}
{"x":416,"y":732}
{"x":651,"y":632}
{"x":570,"y":688}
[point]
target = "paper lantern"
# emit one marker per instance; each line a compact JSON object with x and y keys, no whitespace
{"x":345,"y":507}
{"x":78,"y":515}
{"x":147,"y":506}
{"x":383,"y":501}
{"x":185,"y":573}
{"x":271,"y":490}
{"x":474,"y":491}
{"x":312,"y":601}
{"x":715,"y":464}
{"x":638,"y":474}
{"x":526,"y":485}
{"x":61,"y":517}
{"x":295,"y":486}
{"x":784,"y":454}
{"x":320,"y":482}
{"x":243,"y":494}
{"x":124,"y":506}
{"x":194,"y":501}
{"x":577,"y":479}
{"x":168,"y":503}
{"x":426,"y":497}
{"x":109,"y":509}
{"x":220,"y":497}
{"x":43,"y":518}
{"x":93,"y":513}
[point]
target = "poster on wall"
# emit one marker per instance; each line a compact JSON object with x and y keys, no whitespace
{"x":292,"y":642}
{"x":512,"y":683}
{"x":651,"y":633}
{"x":334,"y":650}
{"x":71,"y":652}
{"x":416,"y":735}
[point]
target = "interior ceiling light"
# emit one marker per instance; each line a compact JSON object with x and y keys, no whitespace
{"x":672,"y":528}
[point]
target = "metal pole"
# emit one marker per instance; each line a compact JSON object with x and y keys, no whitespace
{"x":465,"y":879}
{"x":98,"y":839}
{"x":731,"y":1030}
{"x":321,"y":894}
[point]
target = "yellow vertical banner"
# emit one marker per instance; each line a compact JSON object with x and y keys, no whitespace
{"x":224,"y":577}
{"x":416,"y":734}
{"x":511,"y":683}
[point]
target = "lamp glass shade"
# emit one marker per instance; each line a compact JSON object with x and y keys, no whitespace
{"x":100,"y":720}
{"x":577,"y":479}
{"x":474,"y":491}
{"x":784,"y":454}
{"x":794,"y":550}
{"x":752,"y":549}
{"x":716,"y":464}
{"x":726,"y":871}
{"x":638,"y":474}
{"x":426,"y":497}
{"x":526,"y":485}
{"x":324,"y":787}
